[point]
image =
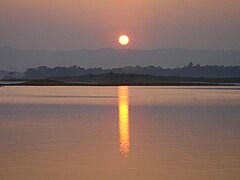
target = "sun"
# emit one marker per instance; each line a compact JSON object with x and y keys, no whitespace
{"x":123,"y":40}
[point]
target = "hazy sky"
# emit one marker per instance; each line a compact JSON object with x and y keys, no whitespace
{"x":151,"y":24}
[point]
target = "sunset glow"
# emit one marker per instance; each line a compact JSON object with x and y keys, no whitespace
{"x":123,"y":105}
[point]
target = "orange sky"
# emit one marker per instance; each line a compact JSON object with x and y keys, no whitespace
{"x":151,"y":24}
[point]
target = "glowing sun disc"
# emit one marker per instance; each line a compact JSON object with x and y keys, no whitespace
{"x":123,"y":40}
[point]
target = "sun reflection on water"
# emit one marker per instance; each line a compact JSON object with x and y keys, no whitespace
{"x":123,"y":106}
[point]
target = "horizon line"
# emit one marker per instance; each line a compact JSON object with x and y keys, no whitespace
{"x":121,"y":49}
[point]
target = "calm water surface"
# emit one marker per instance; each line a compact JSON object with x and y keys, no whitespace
{"x":119,"y":133}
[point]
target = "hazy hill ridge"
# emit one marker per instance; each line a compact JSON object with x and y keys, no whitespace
{"x":174,"y":57}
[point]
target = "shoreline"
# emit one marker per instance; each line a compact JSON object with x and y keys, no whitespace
{"x":122,"y":84}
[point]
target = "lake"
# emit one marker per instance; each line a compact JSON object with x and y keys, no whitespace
{"x":120,"y":133}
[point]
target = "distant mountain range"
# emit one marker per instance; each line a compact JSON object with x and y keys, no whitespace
{"x":16,"y":59}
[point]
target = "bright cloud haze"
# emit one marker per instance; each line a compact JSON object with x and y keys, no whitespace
{"x":92,"y":24}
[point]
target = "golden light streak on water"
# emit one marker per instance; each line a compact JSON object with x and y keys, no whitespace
{"x":123,"y":106}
